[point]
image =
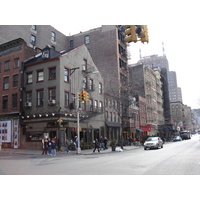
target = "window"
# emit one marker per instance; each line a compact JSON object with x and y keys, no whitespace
{"x":114,"y":117}
{"x":66,"y":75}
{"x":52,"y":93}
{"x":53,"y":36}
{"x":33,"y":27}
{"x":101,"y":106}
{"x":28,"y":96}
{"x":52,"y":73}
{"x":66,"y":99}
{"x":14,"y":100}
{"x":0,"y":66}
{"x":29,"y":78}
{"x":91,"y":104}
{"x":106,"y":114}
{"x":85,"y":83}
{"x":100,"y":88}
{"x":15,"y":80}
{"x":16,"y":62}
{"x":40,"y":97}
{"x":87,"y":39}
{"x":71,"y":43}
{"x":91,"y":85}
{"x":6,"y":83}
{"x":111,"y":116}
{"x":95,"y":104}
{"x":7,"y":65}
{"x":40,"y":76}
{"x":5,"y":102}
{"x":33,"y":40}
{"x":85,"y":65}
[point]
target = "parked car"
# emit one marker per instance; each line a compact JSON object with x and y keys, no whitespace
{"x":185,"y":135}
{"x":177,"y":138}
{"x":153,"y":142}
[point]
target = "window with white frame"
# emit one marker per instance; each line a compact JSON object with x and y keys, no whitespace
{"x":87,"y":39}
{"x":53,"y":36}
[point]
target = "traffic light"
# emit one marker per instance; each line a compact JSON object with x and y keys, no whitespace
{"x":142,"y":33}
{"x":130,"y":32}
{"x":81,"y":96}
{"x":86,"y":96}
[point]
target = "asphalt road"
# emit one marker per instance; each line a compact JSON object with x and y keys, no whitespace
{"x":178,"y":158}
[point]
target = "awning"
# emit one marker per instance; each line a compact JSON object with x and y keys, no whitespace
{"x":139,"y":130}
{"x":113,"y":124}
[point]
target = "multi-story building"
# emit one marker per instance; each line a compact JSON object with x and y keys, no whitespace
{"x":108,"y":50}
{"x":52,"y":82}
{"x":177,"y":114}
{"x":175,"y":92}
{"x":146,"y":82}
{"x":12,"y":54}
{"x":188,"y":118}
{"x":162,"y":63}
{"x":34,"y":35}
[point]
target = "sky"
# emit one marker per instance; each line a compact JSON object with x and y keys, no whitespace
{"x":181,"y":50}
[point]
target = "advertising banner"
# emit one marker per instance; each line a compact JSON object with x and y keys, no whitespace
{"x":15,"y":133}
{"x":5,"y":131}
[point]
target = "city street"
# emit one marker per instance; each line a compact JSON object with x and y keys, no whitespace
{"x":176,"y":158}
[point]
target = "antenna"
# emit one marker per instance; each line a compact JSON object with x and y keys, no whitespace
{"x":163,"y":49}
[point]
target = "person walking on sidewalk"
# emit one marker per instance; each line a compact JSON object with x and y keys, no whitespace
{"x":49,"y":144}
{"x":105,"y":142}
{"x":44,"y":146}
{"x":96,"y":146}
{"x":53,"y":147}
{"x":101,"y":143}
{"x":67,"y":145}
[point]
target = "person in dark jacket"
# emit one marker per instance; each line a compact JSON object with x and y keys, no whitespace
{"x":96,"y":146}
{"x":105,"y":142}
{"x":44,"y":146}
{"x":49,"y":144}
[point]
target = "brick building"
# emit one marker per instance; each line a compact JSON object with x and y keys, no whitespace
{"x":108,"y":50}
{"x":12,"y":54}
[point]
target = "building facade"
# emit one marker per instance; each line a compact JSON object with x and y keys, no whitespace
{"x":146,"y":83}
{"x":12,"y":55}
{"x":34,"y":35}
{"x":108,"y":49}
{"x":52,"y":82}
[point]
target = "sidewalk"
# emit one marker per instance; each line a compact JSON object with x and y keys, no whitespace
{"x":6,"y":151}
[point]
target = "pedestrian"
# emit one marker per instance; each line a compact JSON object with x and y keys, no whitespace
{"x":76,"y":144}
{"x":96,"y":146}
{"x":49,"y":144}
{"x":105,"y":143}
{"x":67,"y":145}
{"x":44,"y":146}
{"x":58,"y":145}
{"x":101,"y":143}
{"x":53,"y":146}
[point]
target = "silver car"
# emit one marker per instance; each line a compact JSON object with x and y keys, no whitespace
{"x":153,"y":142}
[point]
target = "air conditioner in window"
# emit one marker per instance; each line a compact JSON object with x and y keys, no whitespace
{"x":28,"y":104}
{"x":52,"y":102}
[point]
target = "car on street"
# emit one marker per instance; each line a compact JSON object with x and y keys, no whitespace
{"x":185,"y":135}
{"x":153,"y":143}
{"x":177,"y":138}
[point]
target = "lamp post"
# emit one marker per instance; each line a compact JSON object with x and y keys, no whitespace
{"x":78,"y":131}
